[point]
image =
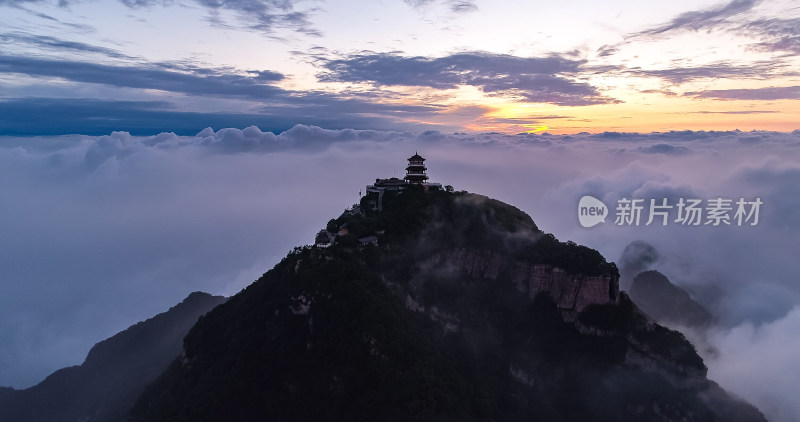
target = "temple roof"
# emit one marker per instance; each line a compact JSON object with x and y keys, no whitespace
{"x":389,"y":182}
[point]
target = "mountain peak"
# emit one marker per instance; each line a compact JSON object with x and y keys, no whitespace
{"x":114,"y":373}
{"x":666,"y":302}
{"x":461,"y":309}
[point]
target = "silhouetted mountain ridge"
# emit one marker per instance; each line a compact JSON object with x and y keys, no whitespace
{"x":667,"y":303}
{"x":114,"y":373}
{"x":459,"y":313}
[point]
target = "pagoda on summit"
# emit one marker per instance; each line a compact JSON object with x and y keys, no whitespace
{"x":415,"y":176}
{"x":415,"y":172}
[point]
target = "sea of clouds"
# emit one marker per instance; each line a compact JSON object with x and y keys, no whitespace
{"x":99,"y":232}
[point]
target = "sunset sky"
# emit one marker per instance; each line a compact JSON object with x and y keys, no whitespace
{"x":149,"y":149}
{"x":147,"y":66}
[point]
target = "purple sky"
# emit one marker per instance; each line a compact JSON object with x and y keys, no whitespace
{"x":144,"y":66}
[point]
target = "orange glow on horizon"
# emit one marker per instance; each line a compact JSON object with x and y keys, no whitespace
{"x":657,"y":115}
{"x":469,"y":109}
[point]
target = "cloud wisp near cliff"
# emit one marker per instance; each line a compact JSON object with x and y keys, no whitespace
{"x":114,"y":228}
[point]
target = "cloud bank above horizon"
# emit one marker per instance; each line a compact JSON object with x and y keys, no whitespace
{"x":69,"y":67}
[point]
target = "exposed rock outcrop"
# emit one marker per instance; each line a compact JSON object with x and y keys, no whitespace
{"x":570,"y":292}
{"x":430,"y":324}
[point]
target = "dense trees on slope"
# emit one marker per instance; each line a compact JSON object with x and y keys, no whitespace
{"x":368,"y":333}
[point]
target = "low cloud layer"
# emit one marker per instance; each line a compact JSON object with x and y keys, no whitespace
{"x":103,"y":231}
{"x":755,"y":358}
{"x":759,"y":362}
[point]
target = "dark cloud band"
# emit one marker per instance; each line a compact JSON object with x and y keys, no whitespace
{"x":550,"y":79}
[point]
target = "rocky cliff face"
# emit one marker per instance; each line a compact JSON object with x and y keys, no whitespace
{"x":456,"y":315}
{"x":572,"y":293}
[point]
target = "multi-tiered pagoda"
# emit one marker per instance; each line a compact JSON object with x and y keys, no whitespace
{"x":415,"y":175}
{"x":415,"y":172}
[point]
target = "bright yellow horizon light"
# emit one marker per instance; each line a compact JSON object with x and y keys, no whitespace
{"x":644,"y":114}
